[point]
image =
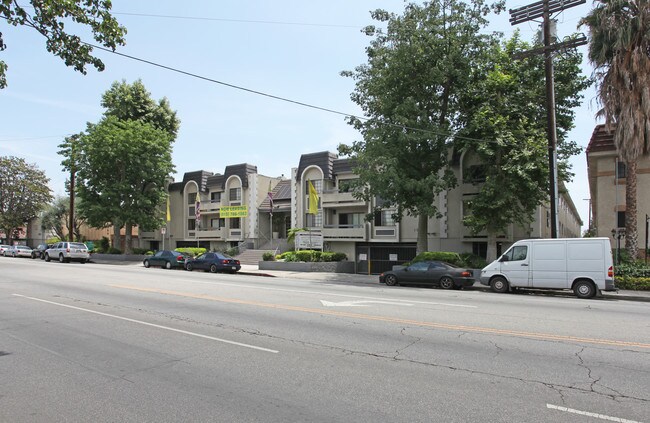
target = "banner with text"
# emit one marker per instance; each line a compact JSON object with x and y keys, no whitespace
{"x":233,"y":211}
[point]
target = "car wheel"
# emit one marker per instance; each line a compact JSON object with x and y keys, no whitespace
{"x":168,"y":265}
{"x":446,"y":282}
{"x":213,"y":268}
{"x":146,"y":264}
{"x":499,"y":285}
{"x":61,"y":258}
{"x":584,"y":289}
{"x":47,"y":257}
{"x":390,"y":280}
{"x":189,"y":267}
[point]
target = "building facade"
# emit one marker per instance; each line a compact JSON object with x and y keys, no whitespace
{"x":607,"y":179}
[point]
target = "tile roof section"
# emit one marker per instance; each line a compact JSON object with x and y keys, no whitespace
{"x":200,"y":177}
{"x":281,"y":197}
{"x":601,"y":140}
{"x":324,"y":160}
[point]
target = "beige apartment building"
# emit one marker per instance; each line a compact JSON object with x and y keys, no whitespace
{"x":381,"y":243}
{"x":607,"y":173}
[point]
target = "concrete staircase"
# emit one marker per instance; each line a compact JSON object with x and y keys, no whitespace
{"x":252,"y":257}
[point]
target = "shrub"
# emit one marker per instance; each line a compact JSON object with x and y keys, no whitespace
{"x":193,"y":251}
{"x":53,"y":240}
{"x":472,"y":261}
{"x":149,"y":253}
{"x":268,"y":256}
{"x":104,"y":244}
{"x":633,"y":283}
{"x":311,"y":256}
{"x":140,"y":251}
{"x":452,"y":258}
{"x":305,"y":255}
{"x":113,"y":250}
{"x":637,"y":269}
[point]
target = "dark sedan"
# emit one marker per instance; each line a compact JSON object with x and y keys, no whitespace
{"x":435,"y":273}
{"x":39,"y":252}
{"x":165,"y":259}
{"x":214,"y":262}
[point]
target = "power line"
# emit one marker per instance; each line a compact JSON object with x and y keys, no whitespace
{"x":200,"y":18}
{"x":275,"y":97}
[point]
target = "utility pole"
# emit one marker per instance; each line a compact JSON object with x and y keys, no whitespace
{"x":73,"y":170}
{"x":543,"y":9}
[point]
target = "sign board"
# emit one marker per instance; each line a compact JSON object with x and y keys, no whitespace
{"x":233,"y":211}
{"x":309,"y":241}
{"x":163,"y":230}
{"x":392,"y":257}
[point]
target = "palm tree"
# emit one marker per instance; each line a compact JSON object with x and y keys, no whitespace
{"x":619,"y":49}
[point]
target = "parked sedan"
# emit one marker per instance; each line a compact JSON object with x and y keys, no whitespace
{"x":4,"y":248}
{"x":18,"y":251}
{"x":214,"y":262}
{"x":436,"y":273}
{"x":39,"y":251}
{"x":165,"y":259}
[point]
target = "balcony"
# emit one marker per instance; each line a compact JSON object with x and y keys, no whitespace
{"x":385,"y":233}
{"x":334,"y":198}
{"x":210,"y":207}
{"x":210,"y":233}
{"x":344,"y":232}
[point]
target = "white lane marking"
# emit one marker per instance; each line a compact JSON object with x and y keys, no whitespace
{"x":298,"y":291}
{"x":361,"y":303}
{"x":151,"y":324}
{"x":589,"y":414}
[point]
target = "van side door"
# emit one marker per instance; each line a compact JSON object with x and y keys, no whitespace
{"x":515,"y":265}
{"x":549,"y":265}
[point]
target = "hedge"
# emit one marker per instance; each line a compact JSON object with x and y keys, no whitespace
{"x":633,"y":283}
{"x":311,"y":256}
{"x":452,"y":258}
{"x":193,"y":251}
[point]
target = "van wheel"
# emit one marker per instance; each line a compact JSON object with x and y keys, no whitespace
{"x":499,"y":284}
{"x":584,"y":289}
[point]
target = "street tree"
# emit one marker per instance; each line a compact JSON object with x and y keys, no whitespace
{"x":23,"y":193}
{"x":122,"y":169}
{"x":408,"y":90}
{"x":56,"y":218}
{"x":48,"y":19}
{"x":619,"y":49}
{"x":503,"y":136}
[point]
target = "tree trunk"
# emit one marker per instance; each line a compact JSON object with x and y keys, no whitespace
{"x":128,"y":238}
{"x":631,"y":233}
{"x":491,"y":247}
{"x":116,"y":236}
{"x":423,"y":229}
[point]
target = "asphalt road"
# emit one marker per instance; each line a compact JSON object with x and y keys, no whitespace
{"x":101,"y":343}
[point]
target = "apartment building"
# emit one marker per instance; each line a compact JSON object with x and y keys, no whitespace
{"x":607,"y":179}
{"x":227,"y":213}
{"x":379,"y":244}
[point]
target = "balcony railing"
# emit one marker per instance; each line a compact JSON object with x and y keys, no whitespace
{"x":335,"y":198}
{"x":357,"y":232}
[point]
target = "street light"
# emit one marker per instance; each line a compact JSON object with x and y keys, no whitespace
{"x":617,"y":234}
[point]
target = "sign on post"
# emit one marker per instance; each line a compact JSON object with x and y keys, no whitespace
{"x":309,"y":241}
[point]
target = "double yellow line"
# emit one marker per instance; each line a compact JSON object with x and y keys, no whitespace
{"x":461,"y":328}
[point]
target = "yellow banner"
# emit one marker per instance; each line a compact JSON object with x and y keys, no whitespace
{"x":233,"y":211}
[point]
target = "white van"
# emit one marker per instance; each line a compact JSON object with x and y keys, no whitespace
{"x":584,"y":265}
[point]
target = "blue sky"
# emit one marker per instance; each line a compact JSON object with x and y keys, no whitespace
{"x":291,"y":49}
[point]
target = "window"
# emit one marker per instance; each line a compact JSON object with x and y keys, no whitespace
{"x":350,"y":220}
{"x":517,"y":253}
{"x":345,"y":185}
{"x":235,"y":194}
{"x":479,"y":249}
{"x":318,"y":184}
{"x":217,"y":223}
{"x":419,"y":267}
{"x":620,"y":219}
{"x":235,"y":223}
{"x":474,"y":174}
{"x":191,"y":211}
{"x":621,"y":170}
{"x":215,"y":197}
{"x":384,"y":218}
{"x":314,"y":220}
{"x":191,"y":224}
{"x":191,"y":198}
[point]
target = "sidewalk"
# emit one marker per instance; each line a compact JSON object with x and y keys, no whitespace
{"x":626,"y":295}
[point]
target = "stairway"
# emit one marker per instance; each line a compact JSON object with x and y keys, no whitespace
{"x":252,"y":257}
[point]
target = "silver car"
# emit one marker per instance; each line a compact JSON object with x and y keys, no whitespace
{"x":18,"y":251}
{"x":66,"y":252}
{"x":4,"y":248}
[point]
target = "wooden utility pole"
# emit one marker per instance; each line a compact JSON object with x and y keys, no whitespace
{"x":543,"y":9}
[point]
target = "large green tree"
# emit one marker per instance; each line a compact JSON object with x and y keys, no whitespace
{"x":503,"y":126}
{"x":49,"y":18}
{"x":409,"y":90}
{"x":619,"y":49}
{"x":122,"y":170}
{"x":128,"y":104}
{"x":23,"y":193}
